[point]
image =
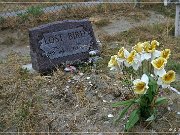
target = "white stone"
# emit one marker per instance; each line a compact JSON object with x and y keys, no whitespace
{"x":28,"y":67}
{"x":92,"y":53}
{"x":110,"y":116}
{"x":105,"y":101}
{"x":69,"y":81}
{"x":106,"y":122}
{"x":76,"y":77}
{"x":70,"y":69}
{"x":87,"y":78}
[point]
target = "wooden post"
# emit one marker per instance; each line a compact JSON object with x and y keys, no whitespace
{"x":177,"y":20}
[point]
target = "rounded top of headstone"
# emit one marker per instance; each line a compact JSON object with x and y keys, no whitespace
{"x":57,"y":22}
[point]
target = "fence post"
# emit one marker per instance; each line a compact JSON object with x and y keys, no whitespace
{"x":177,"y":20}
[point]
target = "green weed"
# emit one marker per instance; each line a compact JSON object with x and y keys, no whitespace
{"x":173,"y":65}
{"x":35,"y":10}
{"x":23,"y":16}
{"x":2,"y":19}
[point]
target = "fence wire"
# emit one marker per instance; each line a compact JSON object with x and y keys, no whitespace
{"x":26,"y":12}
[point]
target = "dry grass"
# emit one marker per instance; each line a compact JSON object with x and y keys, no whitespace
{"x":31,"y":102}
{"x":31,"y":20}
{"x":102,"y":22}
{"x":22,"y":96}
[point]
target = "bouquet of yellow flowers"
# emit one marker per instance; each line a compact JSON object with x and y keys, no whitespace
{"x":151,"y":78}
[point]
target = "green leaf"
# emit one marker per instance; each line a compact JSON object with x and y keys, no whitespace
{"x":137,"y":100}
{"x":133,"y":119}
{"x":160,"y":100}
{"x":122,"y":113}
{"x":127,"y":102}
{"x":152,"y":84}
{"x":151,"y":118}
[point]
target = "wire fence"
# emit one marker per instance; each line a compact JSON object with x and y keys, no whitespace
{"x":23,"y":13}
{"x":30,"y":14}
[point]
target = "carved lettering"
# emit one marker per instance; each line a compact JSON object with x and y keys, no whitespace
{"x":66,"y":42}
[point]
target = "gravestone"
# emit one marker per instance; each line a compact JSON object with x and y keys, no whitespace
{"x":58,"y":42}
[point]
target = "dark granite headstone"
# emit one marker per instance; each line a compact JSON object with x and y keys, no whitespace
{"x":56,"y":43}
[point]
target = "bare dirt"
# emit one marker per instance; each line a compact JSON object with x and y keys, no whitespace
{"x":78,"y":102}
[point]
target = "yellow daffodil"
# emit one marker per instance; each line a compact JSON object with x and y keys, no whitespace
{"x":141,"y":85}
{"x":166,"y":53}
{"x":159,"y":65}
{"x":121,"y":53}
{"x":113,"y":62}
{"x":166,"y":79}
{"x":133,"y":59}
{"x":150,"y":50}
{"x":130,"y":59}
{"x":121,"y":56}
{"x":154,"y":43}
{"x":150,"y":47}
{"x":138,"y":47}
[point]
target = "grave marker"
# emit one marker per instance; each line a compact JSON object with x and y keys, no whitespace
{"x":56,"y":43}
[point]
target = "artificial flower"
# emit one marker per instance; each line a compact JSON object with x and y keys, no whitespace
{"x":159,"y":65}
{"x":166,"y":79}
{"x":141,"y":85}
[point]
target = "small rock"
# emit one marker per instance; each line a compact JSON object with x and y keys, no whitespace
{"x":94,"y":59}
{"x":169,"y":109}
{"x":94,"y":52}
{"x":88,"y":121}
{"x":110,"y":116}
{"x":99,"y":43}
{"x":70,"y":69}
{"x":105,"y":101}
{"x":87,"y":78}
{"x":106,"y":122}
{"x":69,"y":81}
{"x":178,"y":113}
{"x":28,"y":67}
{"x":76,"y":77}
{"x":67,"y":87}
{"x":81,"y":74}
